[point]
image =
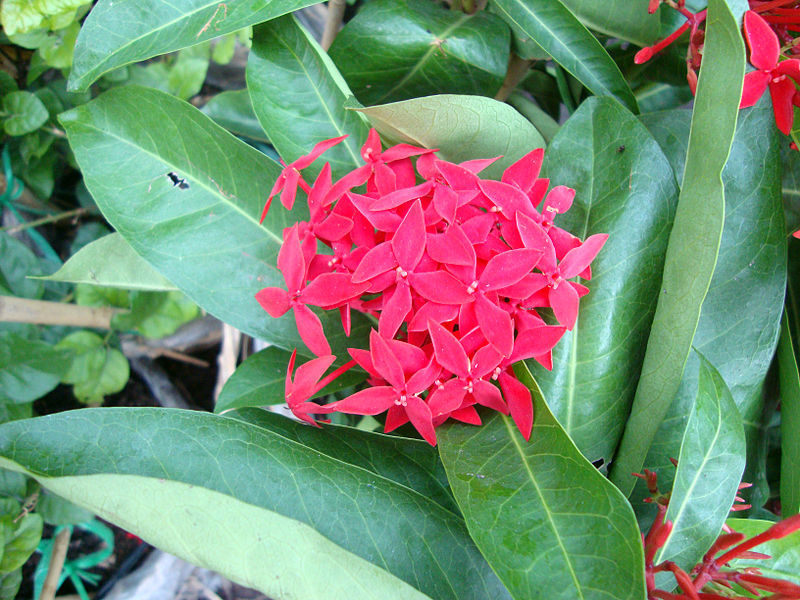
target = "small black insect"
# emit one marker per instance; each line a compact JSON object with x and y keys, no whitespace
{"x":177,"y":182}
{"x":621,"y":149}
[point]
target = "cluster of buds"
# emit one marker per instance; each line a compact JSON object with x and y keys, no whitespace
{"x":769,"y":28}
{"x":713,"y":578}
{"x":452,"y":267}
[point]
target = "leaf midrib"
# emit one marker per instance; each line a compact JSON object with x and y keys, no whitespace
{"x":548,"y":514}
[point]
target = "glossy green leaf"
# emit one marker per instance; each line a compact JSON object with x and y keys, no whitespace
{"x":259,"y":381}
{"x":156,"y":314}
{"x":399,"y":49}
{"x":205,"y":239}
{"x":542,"y":515}
{"x":234,"y":111}
{"x":618,"y":18}
{"x":543,"y":122}
{"x":111,"y":262}
{"x":24,"y":112}
{"x":461,"y":127}
{"x":298,"y":96}
{"x":784,"y":561}
{"x":96,"y":369}
{"x":28,"y":369}
{"x":710,"y":466}
{"x":739,"y":320}
{"x":290,"y":511}
{"x":58,"y":511}
{"x":625,"y":187}
{"x":119,"y":33}
{"x":551,"y":25}
{"x":412,"y":463}
{"x":790,"y":423}
{"x":694,"y":240}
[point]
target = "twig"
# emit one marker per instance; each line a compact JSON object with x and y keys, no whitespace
{"x":59,"y":554}
{"x":333,"y":22}
{"x":41,"y":312}
{"x":517,"y":69}
{"x":26,"y":198}
{"x":161,"y":386}
{"x":45,"y":220}
{"x":228,"y":353}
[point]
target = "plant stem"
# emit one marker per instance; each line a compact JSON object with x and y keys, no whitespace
{"x":517,"y":69}
{"x":40,"y":312}
{"x":59,"y":554}
{"x":45,"y":220}
{"x":333,"y":22}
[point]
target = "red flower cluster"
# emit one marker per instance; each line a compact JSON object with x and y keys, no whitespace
{"x":713,"y":579}
{"x":453,"y":269}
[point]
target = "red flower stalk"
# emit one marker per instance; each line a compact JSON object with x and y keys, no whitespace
{"x":711,"y":573}
{"x":454,"y":269}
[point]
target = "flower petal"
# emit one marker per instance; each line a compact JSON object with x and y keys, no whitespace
{"x":394,"y":310}
{"x":763,"y":42}
{"x":496,"y":325}
{"x":782,"y":94}
{"x":564,"y":300}
{"x":329,"y":290}
{"x":316,"y":151}
{"x":520,"y":403}
{"x":377,"y":261}
{"x":581,"y":257}
{"x":448,"y":350}
{"x":291,"y":262}
{"x":755,"y":83}
{"x":408,"y":242}
{"x":310,"y":329}
{"x":508,"y":268}
{"x":307,"y":377}
{"x":489,"y":395}
{"x":440,"y":287}
{"x":274,"y":300}
{"x":385,"y":361}
{"x":371,"y":401}
{"x":524,"y":172}
{"x":421,"y":418}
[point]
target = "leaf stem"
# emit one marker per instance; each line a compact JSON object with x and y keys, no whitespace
{"x":517,"y":69}
{"x":41,"y":312}
{"x":45,"y":220}
{"x":333,"y":22}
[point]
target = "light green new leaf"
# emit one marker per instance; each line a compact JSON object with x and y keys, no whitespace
{"x":21,"y":16}
{"x":111,"y":262}
{"x":790,"y":423}
{"x":739,"y":320}
{"x":20,"y":538}
{"x":542,"y":515}
{"x":553,"y":27}
{"x":260,"y":508}
{"x":694,"y":240}
{"x":400,"y":49}
{"x":412,"y":463}
{"x":233,"y":110}
{"x":259,"y":381}
{"x":206,"y":238}
{"x":625,"y":188}
{"x":24,"y":112}
{"x":784,"y":561}
{"x":710,"y":466}
{"x":461,"y":127}
{"x":621,"y":19}
{"x":156,"y":314}
{"x":299,"y":96}
{"x":28,"y":369}
{"x":96,"y":370}
{"x":119,"y":33}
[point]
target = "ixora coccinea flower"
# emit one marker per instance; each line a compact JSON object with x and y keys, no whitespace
{"x":455,"y":270}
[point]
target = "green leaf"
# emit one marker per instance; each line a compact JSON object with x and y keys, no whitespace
{"x":205,"y":239}
{"x":24,"y":113}
{"x":285,"y":58}
{"x":156,"y":314}
{"x":28,"y":369}
{"x":461,"y":127}
{"x":625,"y":187}
{"x":20,"y":16}
{"x":412,"y":463}
{"x":55,"y":510}
{"x":9,"y":584}
{"x":96,"y":370}
{"x":19,"y":539}
{"x":399,"y":49}
{"x":542,"y":515}
{"x":57,"y":51}
{"x":259,"y":381}
{"x":784,"y":561}
{"x":234,"y":111}
{"x":618,"y":18}
{"x":543,"y":122}
{"x":111,"y":262}
{"x":16,"y":263}
{"x":286,"y":508}
{"x":694,"y":240}
{"x":710,"y":467}
{"x":120,"y":33}
{"x":790,"y":422}
{"x":551,"y":25}
{"x":188,"y":72}
{"x":739,"y":320}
